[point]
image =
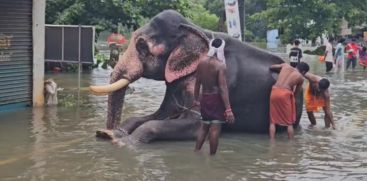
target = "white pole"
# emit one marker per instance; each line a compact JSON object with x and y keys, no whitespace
{"x":38,"y":16}
{"x":233,"y":19}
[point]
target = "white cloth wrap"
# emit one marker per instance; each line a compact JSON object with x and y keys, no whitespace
{"x":219,"y":51}
{"x":51,"y":93}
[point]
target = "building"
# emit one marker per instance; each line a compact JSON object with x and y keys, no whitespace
{"x":21,"y":53}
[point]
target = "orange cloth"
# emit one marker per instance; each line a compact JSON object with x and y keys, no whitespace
{"x":313,"y":102}
{"x":282,"y":106}
{"x":362,"y":62}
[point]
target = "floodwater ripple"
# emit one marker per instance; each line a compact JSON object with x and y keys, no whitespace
{"x":59,"y":144}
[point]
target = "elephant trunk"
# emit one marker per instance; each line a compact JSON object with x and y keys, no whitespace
{"x":115,"y":103}
{"x":128,"y":69}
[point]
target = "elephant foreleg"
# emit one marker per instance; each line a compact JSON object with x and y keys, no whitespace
{"x":174,"y":129}
{"x":126,"y":128}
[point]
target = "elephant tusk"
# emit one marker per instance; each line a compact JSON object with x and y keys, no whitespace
{"x":105,"y":89}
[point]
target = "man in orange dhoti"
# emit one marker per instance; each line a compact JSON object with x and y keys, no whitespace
{"x":282,"y":102}
{"x":317,"y":96}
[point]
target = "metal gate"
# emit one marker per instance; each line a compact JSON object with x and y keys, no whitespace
{"x":15,"y":53}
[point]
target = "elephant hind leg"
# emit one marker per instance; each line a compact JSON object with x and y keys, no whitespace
{"x":132,"y":123}
{"x":174,"y":129}
{"x":105,"y":134}
{"x":110,"y":134}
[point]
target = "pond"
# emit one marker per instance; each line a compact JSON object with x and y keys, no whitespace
{"x":59,"y":143}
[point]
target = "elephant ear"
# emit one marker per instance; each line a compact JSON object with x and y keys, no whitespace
{"x":191,"y":49}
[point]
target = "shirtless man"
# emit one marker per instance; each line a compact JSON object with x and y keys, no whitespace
{"x":317,"y":96}
{"x":214,"y":103}
{"x":282,"y":101}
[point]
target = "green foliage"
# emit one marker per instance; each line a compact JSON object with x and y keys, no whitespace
{"x":105,"y":13}
{"x":258,"y":28}
{"x":101,"y":59}
{"x":150,"y":8}
{"x":310,"y":19}
{"x":249,"y":35}
{"x":306,"y":19}
{"x":214,"y":6}
{"x":203,"y":18}
{"x":254,"y":29}
{"x":354,"y":11}
{"x":318,"y":51}
{"x":101,"y":13}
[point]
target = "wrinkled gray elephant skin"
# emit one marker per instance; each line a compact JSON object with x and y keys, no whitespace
{"x":169,"y":48}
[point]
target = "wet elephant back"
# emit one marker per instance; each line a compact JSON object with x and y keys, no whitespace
{"x":250,"y":91}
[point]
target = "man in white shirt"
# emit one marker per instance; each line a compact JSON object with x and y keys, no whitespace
{"x":329,"y":55}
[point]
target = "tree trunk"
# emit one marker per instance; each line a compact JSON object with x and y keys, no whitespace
{"x":221,"y":23}
{"x":241,"y":10}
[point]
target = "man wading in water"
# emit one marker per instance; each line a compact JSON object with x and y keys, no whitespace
{"x":282,"y":101}
{"x":215,"y":107}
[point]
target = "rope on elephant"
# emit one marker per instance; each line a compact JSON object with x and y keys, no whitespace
{"x":184,"y":109}
{"x":48,"y":149}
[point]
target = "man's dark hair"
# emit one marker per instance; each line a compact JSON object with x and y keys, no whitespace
{"x":364,"y":48}
{"x":297,"y":42}
{"x":342,"y":40}
{"x":331,"y":39}
{"x":303,"y":67}
{"x":324,"y":84}
{"x":217,"y":43}
{"x":114,"y":28}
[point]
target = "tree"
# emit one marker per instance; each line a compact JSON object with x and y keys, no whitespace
{"x":254,"y":28}
{"x":150,"y":8}
{"x":203,"y":18}
{"x":310,"y":19}
{"x":105,"y":13}
{"x":217,"y":7}
{"x":241,"y":10}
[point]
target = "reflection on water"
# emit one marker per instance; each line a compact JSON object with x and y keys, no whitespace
{"x":59,"y":144}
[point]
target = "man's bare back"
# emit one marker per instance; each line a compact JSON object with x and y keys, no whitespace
{"x":215,"y":106}
{"x":282,"y":97}
{"x":208,"y":74}
{"x":288,"y":78}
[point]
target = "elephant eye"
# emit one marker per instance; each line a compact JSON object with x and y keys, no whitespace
{"x":142,"y":47}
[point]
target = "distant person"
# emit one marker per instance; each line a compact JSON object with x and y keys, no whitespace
{"x":51,"y":92}
{"x":214,"y":103}
{"x":317,"y":96}
{"x":296,"y":54}
{"x":115,"y":42}
{"x":115,"y":38}
{"x":56,"y":70}
{"x":282,"y":98}
{"x":352,"y":49}
{"x":363,"y":57}
{"x":339,"y":56}
{"x":329,"y":55}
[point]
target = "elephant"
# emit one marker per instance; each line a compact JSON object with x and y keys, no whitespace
{"x":169,"y":48}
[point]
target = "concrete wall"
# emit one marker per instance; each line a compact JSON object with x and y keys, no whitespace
{"x":39,"y":8}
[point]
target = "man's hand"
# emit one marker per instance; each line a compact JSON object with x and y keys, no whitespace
{"x":229,"y":116}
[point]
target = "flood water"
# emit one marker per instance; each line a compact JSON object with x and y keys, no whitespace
{"x":59,"y":143}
